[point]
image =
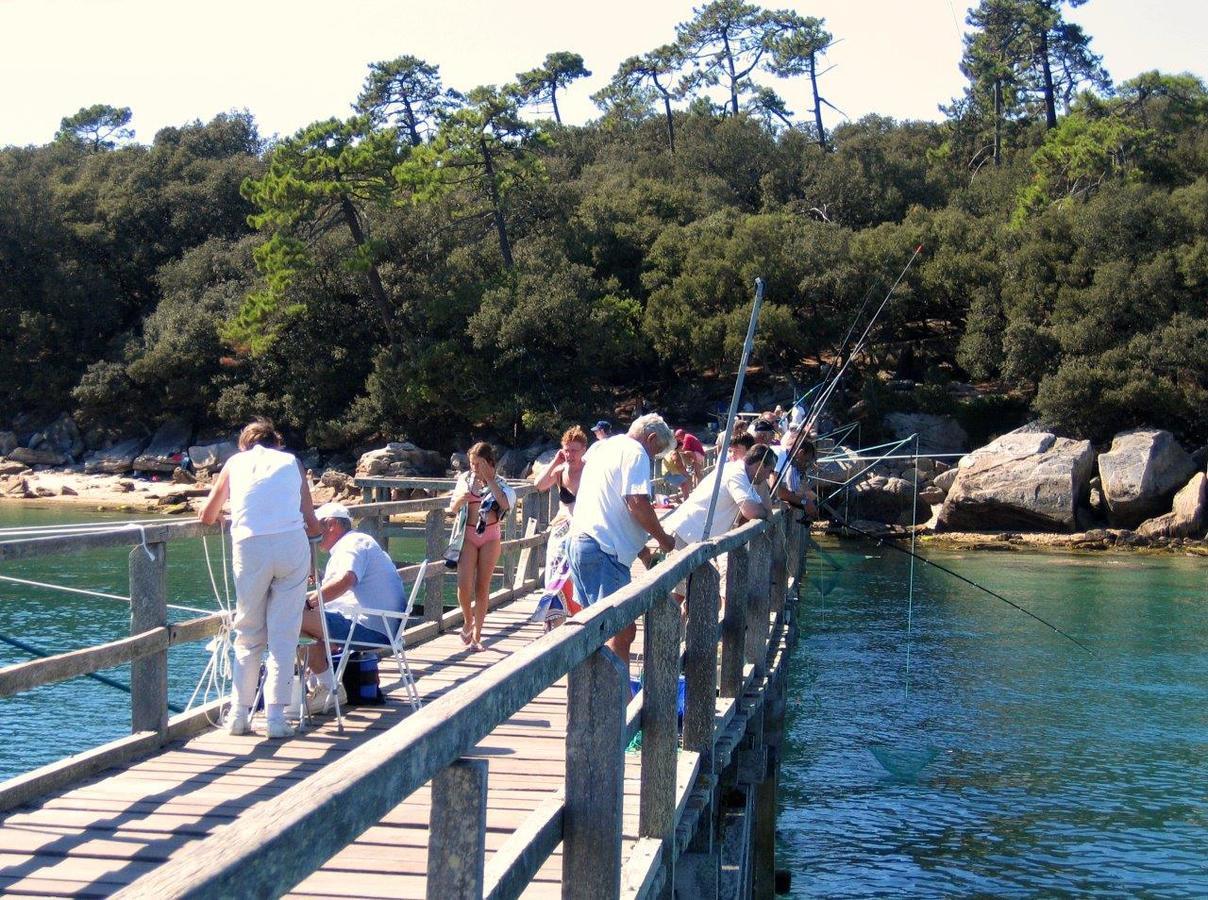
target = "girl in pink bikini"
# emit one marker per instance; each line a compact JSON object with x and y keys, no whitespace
{"x":487,"y":499}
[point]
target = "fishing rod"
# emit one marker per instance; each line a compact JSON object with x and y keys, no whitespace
{"x":863,"y":338}
{"x":733,"y":414}
{"x":38,"y":652}
{"x":816,"y":410}
{"x":893,"y":545}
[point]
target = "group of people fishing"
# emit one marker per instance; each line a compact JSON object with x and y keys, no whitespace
{"x":606,"y":519}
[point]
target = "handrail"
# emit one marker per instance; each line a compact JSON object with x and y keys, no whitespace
{"x":274,"y":846}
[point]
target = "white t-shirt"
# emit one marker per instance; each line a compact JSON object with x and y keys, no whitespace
{"x":613,"y":469}
{"x":378,"y":584}
{"x":265,"y":490}
{"x":796,"y":416}
{"x":792,"y":478}
{"x":687,"y":522}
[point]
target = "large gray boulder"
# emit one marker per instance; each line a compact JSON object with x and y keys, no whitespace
{"x":213,"y":457}
{"x":401,"y":459}
{"x":116,"y":459}
{"x":1141,"y":473}
{"x":167,"y":447}
{"x":60,"y":436}
{"x":8,"y":442}
{"x":37,"y":457}
{"x":1024,"y":480}
{"x":1188,"y":518}
{"x":937,"y":434}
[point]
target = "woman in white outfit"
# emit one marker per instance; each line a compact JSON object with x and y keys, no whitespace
{"x":271,"y":516}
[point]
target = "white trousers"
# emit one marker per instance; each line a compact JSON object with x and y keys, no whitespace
{"x":270,"y":592}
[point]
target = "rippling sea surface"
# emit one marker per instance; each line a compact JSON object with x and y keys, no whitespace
{"x":1056,"y":773}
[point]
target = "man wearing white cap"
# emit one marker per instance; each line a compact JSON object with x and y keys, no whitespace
{"x":358,"y":572}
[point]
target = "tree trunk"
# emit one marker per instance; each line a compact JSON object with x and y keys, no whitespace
{"x":670,"y":122}
{"x":553,"y":98}
{"x":997,"y":122}
{"x":375,"y":280}
{"x":1050,"y":105}
{"x":412,"y":126}
{"x":733,"y":77}
{"x":817,"y":104}
{"x":505,"y":248}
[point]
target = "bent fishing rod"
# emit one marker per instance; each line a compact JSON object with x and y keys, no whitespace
{"x":733,"y":414}
{"x":820,"y":404}
{"x":894,"y":545}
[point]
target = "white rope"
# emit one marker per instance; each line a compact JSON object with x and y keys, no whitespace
{"x":87,"y":593}
{"x":215,"y":680}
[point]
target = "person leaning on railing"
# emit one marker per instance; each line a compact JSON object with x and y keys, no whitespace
{"x":271,"y":515}
{"x":614,"y":515}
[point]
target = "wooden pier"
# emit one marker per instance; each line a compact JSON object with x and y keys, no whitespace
{"x":512,"y":780}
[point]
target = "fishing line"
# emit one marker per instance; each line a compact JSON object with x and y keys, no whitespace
{"x":817,"y":408}
{"x":893,"y":545}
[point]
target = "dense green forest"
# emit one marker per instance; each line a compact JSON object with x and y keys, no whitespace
{"x":445,"y":261}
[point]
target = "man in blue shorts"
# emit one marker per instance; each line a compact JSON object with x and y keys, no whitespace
{"x":614,"y":515}
{"x":358,"y":573}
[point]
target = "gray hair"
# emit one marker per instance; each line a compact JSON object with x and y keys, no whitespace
{"x":652,"y":423}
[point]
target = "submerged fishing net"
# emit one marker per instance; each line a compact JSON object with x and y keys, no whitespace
{"x":905,"y":762}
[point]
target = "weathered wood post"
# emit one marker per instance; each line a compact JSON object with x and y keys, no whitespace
{"x":148,"y":566}
{"x":656,"y":811}
{"x":457,"y":828}
{"x":511,"y":531}
{"x":734,"y":622}
{"x":700,"y":665}
{"x":759,"y":604}
{"x":779,"y":561}
{"x":597,"y":694}
{"x":434,"y":548}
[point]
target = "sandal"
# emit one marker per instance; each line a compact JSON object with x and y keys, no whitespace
{"x":477,"y":647}
{"x":466,"y":636}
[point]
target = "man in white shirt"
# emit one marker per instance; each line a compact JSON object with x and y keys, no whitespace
{"x":614,"y":515}
{"x":358,"y":573}
{"x":738,"y":495}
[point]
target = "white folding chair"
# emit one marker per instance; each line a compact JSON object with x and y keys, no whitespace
{"x":394,"y":626}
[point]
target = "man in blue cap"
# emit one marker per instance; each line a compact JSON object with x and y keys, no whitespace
{"x":602,"y":430}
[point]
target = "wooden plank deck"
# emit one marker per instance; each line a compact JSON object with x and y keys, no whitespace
{"x":99,"y":836}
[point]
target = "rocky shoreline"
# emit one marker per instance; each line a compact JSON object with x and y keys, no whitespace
{"x":1029,"y":489}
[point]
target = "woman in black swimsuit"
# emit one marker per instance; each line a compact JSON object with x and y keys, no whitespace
{"x":564,"y":470}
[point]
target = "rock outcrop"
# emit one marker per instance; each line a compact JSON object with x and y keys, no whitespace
{"x":212,"y":457}
{"x":937,"y":434}
{"x":60,"y":436}
{"x":1030,"y":480}
{"x":1141,"y":473}
{"x":401,"y":459}
{"x":116,"y":459}
{"x":1189,"y":518}
{"x":8,"y":442}
{"x":167,"y":447}
{"x":37,"y":457}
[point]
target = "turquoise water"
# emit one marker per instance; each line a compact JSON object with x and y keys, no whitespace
{"x":50,"y":722}
{"x":1056,"y":773}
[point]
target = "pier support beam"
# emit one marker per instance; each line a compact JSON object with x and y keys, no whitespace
{"x":149,"y":609}
{"x":458,"y":831}
{"x":597,"y":695}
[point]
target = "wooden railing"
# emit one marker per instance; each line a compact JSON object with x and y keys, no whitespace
{"x":152,"y":635}
{"x":274,"y":846}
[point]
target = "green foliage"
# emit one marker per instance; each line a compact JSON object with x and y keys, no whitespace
{"x":97,"y":127}
{"x":440,"y":266}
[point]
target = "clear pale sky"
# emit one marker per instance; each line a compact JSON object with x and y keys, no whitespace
{"x":292,"y":62}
